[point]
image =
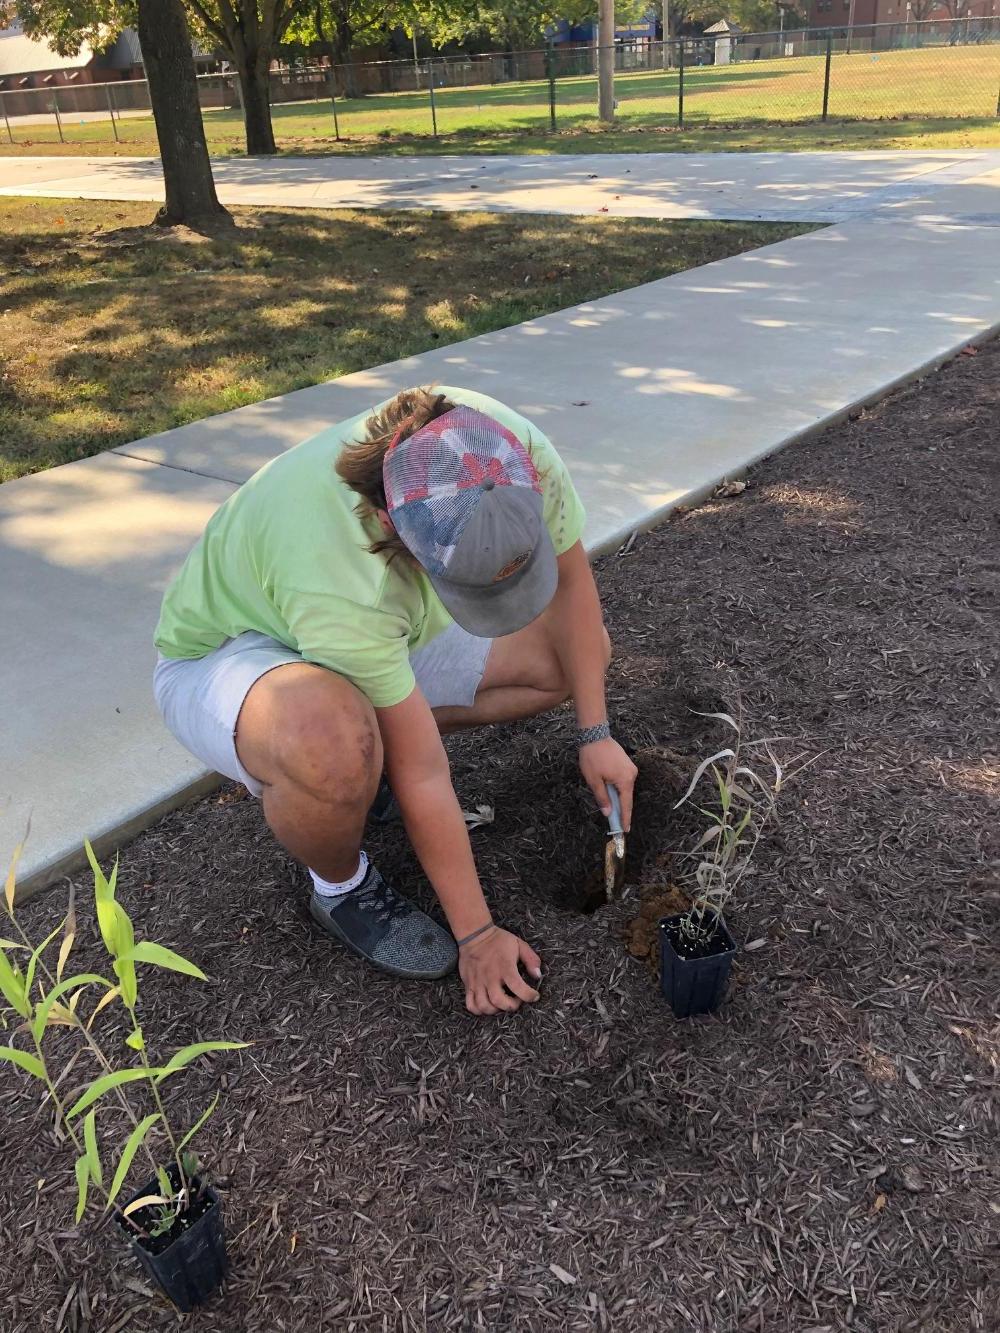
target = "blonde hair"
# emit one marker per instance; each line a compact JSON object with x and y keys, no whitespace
{"x":360,"y":464}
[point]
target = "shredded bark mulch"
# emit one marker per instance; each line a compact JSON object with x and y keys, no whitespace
{"x":820,"y":1155}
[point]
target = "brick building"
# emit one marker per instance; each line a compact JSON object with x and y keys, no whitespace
{"x":824,"y":13}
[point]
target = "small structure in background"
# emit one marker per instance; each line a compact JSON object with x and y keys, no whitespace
{"x":724,"y":34}
{"x":28,"y":62}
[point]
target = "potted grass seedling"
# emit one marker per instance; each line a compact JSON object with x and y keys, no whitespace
{"x":696,"y":948}
{"x":173,"y":1222}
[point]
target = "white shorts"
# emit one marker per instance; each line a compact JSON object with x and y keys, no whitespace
{"x":201,"y":697}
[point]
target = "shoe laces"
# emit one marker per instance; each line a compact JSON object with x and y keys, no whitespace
{"x":383,"y":902}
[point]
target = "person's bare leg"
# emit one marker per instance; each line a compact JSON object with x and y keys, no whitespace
{"x":523,"y":678}
{"x":312,"y":739}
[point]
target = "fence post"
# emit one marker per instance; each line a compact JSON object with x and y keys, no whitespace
{"x":680,"y":84}
{"x":3,"y":104}
{"x":550,"y":69}
{"x":826,"y":74}
{"x":55,"y":108}
{"x":333,"y":103}
{"x":111,"y":111}
{"x":430,"y":85}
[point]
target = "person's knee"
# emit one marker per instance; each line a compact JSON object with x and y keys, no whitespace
{"x":331,"y":748}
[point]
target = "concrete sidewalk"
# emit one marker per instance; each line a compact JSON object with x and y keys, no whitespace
{"x":652,"y":395}
{"x":780,"y":187}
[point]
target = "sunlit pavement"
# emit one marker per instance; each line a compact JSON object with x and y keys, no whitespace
{"x":779,"y":187}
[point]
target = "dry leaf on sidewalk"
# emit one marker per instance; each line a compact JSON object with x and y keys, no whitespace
{"x":483,"y":814}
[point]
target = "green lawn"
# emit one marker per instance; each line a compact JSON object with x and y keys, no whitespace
{"x":939,"y":97}
{"x":110,"y":332}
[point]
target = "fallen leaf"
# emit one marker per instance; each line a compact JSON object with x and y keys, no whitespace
{"x":912,"y":1179}
{"x":583,"y":402}
{"x":969,"y":350}
{"x":912,"y":1079}
{"x":729,"y":489}
{"x":483,"y":814}
{"x":295,"y":1239}
{"x":602,"y":210}
{"x":880,"y":1202}
{"x":861,"y":1109}
{"x":567,"y":1278}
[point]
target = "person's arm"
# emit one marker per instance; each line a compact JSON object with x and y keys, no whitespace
{"x":580,"y":646}
{"x":417,"y":768}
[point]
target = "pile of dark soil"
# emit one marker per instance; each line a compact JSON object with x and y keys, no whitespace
{"x":820,"y":1155}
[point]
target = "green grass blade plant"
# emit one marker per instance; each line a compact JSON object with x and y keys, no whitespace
{"x":56,"y":1004}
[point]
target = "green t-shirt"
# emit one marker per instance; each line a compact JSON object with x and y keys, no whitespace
{"x":287,"y":555}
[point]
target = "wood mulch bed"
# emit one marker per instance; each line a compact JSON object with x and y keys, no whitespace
{"x":820,"y":1155}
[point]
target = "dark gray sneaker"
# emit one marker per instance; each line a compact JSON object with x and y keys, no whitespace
{"x":384,"y":809}
{"x":386,"y":929}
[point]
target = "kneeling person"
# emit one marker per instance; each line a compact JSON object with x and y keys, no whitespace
{"x":414,"y":570}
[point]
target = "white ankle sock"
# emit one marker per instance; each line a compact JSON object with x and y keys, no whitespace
{"x":327,"y":888}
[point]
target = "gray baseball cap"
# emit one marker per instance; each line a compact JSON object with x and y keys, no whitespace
{"x":466,"y":500}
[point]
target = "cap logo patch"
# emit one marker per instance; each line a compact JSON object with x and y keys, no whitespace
{"x":511,"y":567}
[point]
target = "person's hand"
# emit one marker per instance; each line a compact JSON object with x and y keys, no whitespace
{"x":488,"y":968}
{"x":604,"y":762}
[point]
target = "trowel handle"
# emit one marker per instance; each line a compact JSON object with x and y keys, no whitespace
{"x":615,"y":818}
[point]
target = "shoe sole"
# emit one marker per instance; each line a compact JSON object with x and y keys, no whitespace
{"x":331,"y":929}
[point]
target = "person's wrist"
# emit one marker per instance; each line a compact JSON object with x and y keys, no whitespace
{"x":474,"y":936}
{"x":600,"y":731}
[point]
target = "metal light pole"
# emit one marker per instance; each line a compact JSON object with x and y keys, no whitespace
{"x":606,"y":61}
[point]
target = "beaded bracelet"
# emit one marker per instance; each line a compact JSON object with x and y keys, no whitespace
{"x":587,"y":735}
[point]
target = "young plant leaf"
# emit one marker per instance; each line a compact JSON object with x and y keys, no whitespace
{"x":52,"y":996}
{"x":82,"y":1169}
{"x":721,"y":717}
{"x":705,"y":763}
{"x":144,"y":1202}
{"x":108,"y":1082}
{"x":105,"y":1000}
{"x":159,"y":956}
{"x":188,"y":1053}
{"x":166,"y":1185}
{"x":29,"y":975}
{"x":11,"y":882}
{"x":135,"y":1040}
{"x":69,"y":936}
{"x":23,"y":1060}
{"x":13,"y":988}
{"x":195,"y":1128}
{"x":90,"y":1142}
{"x":132,"y":1146}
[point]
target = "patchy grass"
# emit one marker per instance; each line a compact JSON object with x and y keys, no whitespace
{"x":937,"y":98}
{"x":108,"y":333}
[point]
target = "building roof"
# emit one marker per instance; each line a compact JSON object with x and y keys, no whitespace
{"x":20,"y":54}
{"x":724,"y":25}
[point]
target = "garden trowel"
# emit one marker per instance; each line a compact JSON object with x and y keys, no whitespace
{"x":614,"y":849}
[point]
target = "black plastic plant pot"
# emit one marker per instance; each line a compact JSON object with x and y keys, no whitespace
{"x":694,"y":979}
{"x":189,"y":1262}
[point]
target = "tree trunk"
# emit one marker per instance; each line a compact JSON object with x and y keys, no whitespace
{"x":255,"y":85}
{"x":173,"y":92}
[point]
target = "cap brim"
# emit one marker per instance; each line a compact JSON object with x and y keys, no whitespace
{"x":505,"y":607}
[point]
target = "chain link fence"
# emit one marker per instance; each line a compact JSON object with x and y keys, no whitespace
{"x":936,"y":69}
